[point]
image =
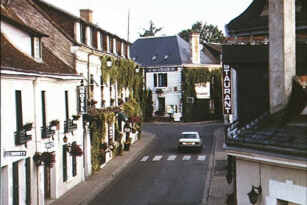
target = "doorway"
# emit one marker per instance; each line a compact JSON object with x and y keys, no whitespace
{"x":161,"y":107}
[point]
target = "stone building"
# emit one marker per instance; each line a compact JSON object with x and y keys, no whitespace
{"x":266,"y":138}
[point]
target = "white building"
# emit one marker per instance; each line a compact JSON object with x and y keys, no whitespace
{"x":36,"y":89}
{"x":164,"y":59}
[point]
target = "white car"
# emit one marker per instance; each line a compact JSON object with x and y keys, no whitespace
{"x":190,"y":140}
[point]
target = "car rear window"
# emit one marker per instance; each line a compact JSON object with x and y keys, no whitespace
{"x":190,"y":136}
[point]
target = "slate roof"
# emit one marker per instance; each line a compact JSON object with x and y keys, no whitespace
{"x":284,"y":132}
{"x":251,"y":20}
{"x":13,"y":59}
{"x":177,"y":50}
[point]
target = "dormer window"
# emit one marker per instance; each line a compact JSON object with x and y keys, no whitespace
{"x":36,"y":48}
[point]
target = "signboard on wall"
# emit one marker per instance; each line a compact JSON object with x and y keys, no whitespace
{"x":163,"y":69}
{"x":227,"y":89}
{"x":202,"y":90}
{"x":82,"y":99}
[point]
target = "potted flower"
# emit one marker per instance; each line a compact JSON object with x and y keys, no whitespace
{"x":76,"y":150}
{"x":75,"y":117}
{"x":48,"y":158}
{"x":37,"y":159}
{"x":54,"y":123}
{"x":127,"y":144}
{"x":28,"y":126}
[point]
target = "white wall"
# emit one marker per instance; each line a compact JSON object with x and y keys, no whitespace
{"x":18,"y":38}
{"x":278,"y":182}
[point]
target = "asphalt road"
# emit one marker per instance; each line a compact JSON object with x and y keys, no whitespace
{"x":161,"y":175}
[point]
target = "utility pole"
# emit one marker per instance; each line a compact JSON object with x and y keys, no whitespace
{"x":128,"y":33}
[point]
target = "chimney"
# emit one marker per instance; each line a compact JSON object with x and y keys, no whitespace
{"x":194,"y":40}
{"x":282,"y":58}
{"x":87,"y":15}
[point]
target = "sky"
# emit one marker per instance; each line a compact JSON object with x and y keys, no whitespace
{"x":172,"y":15}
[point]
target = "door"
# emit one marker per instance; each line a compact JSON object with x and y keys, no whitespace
{"x":161,"y":105}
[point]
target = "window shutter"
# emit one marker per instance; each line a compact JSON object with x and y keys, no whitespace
{"x":19,"y":123}
{"x":165,"y":79}
{"x":64,"y":163}
{"x":155,"y":79}
{"x":43,"y":109}
{"x":66,"y":105}
{"x":15,"y":184}
{"x":74,"y":165}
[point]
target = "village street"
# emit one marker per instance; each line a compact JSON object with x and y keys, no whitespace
{"x":161,"y":174}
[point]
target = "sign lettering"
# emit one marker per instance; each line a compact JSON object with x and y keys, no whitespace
{"x":227,"y":89}
{"x":82,"y":95}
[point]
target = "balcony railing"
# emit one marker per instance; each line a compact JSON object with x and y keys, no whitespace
{"x":69,"y":126}
{"x":265,"y":134}
{"x":47,"y":132}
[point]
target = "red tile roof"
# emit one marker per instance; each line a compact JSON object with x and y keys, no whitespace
{"x":14,"y":59}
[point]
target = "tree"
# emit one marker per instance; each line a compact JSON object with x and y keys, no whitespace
{"x":208,"y":33}
{"x":151,"y":31}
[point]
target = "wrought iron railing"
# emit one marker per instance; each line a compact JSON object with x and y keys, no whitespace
{"x":47,"y":132}
{"x":69,"y":126}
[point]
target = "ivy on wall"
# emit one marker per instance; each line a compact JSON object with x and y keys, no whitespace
{"x":198,"y":109}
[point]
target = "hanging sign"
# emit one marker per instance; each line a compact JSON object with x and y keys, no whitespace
{"x":82,"y":99}
{"x":202,"y":90}
{"x":227,"y":89}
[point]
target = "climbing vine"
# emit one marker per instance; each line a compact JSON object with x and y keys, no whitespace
{"x":191,"y":108}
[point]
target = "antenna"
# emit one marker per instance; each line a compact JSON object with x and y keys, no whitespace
{"x":128,"y":33}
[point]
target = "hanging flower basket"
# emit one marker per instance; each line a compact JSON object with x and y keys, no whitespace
{"x":48,"y":158}
{"x":28,"y":126}
{"x":54,"y":123}
{"x":136,"y":119}
{"x":37,"y":159}
{"x":75,"y":117}
{"x":76,"y":150}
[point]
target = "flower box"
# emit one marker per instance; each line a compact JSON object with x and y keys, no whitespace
{"x":76,"y":150}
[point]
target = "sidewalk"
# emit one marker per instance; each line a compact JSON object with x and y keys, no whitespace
{"x":219,"y":188}
{"x":84,"y":192}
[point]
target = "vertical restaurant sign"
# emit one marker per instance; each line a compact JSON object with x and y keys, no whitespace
{"x":82,"y":99}
{"x":227,"y":89}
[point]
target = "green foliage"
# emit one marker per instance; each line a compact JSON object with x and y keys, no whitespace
{"x":147,"y":105}
{"x":191,"y":111}
{"x":208,"y":33}
{"x":151,"y":31}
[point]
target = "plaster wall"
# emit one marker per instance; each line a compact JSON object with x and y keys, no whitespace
{"x":277,"y":182}
{"x":282,"y":52}
{"x":20,"y":39}
{"x":172,"y":92}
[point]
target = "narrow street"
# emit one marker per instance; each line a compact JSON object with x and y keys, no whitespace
{"x":161,"y":174}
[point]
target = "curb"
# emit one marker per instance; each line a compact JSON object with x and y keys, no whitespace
{"x":210,"y":172}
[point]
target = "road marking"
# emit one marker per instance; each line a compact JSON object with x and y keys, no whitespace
{"x":186,"y":157}
{"x":171,"y":158}
{"x":144,"y":159}
{"x":157,"y":158}
{"x":201,"y":157}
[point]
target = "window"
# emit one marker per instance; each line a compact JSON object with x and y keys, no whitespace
{"x":111,"y":44}
{"x":94,"y":38}
{"x":160,"y":79}
{"x":36,"y":48}
{"x":74,"y":165}
{"x":105,"y":42}
{"x":102,"y":41}
{"x":82,"y":33}
{"x":118,"y":47}
{"x":19,"y":123}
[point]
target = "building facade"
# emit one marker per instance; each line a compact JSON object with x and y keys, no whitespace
{"x":165,"y":60}
{"x":266,"y":139}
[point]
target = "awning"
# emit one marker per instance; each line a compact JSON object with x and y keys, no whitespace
{"x":122,"y":116}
